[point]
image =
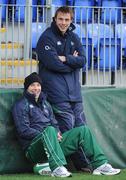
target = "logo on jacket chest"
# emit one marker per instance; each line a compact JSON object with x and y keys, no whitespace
{"x":72,"y":43}
{"x":31,"y":106}
{"x":47,"y":48}
{"x":59,"y":43}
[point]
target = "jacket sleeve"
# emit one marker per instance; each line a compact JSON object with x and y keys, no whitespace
{"x":22,"y":122}
{"x":80,"y":60}
{"x":48,"y":56}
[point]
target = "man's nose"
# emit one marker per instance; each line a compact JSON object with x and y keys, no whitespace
{"x":63,"y":21}
{"x":35,"y":87}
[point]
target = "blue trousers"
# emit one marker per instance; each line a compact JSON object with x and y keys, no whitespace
{"x":69,"y":115}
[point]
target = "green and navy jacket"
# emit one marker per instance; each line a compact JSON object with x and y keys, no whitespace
{"x":31,"y":117}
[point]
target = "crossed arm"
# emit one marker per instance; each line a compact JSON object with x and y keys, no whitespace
{"x":63,"y":64}
{"x":63,"y":58}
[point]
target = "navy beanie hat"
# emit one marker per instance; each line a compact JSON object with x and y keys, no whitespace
{"x":33,"y":77}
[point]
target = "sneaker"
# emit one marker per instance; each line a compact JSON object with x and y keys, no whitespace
{"x":106,"y":169}
{"x":61,"y":172}
{"x":42,"y":169}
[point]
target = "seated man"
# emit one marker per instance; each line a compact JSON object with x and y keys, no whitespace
{"x":41,"y":139}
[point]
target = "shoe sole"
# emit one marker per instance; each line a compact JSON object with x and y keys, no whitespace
{"x":54,"y":175}
{"x":107,"y":174}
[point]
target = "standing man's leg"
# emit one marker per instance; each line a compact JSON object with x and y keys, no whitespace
{"x":64,"y":115}
{"x":69,"y":115}
{"x":79,"y":114}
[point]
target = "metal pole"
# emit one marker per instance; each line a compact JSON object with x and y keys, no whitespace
{"x":28,"y":21}
{"x":49,"y":12}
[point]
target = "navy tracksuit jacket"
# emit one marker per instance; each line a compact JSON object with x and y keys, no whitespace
{"x":60,"y":80}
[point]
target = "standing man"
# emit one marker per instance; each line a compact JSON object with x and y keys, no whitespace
{"x":61,"y":56}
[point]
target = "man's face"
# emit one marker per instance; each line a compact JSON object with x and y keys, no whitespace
{"x":35,"y":88}
{"x":63,"y":21}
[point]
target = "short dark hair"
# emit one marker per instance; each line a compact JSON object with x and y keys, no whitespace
{"x":64,"y":9}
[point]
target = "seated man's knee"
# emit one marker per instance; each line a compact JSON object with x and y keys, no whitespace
{"x":50,"y":128}
{"x":83,"y":128}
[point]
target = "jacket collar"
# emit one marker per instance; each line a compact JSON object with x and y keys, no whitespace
{"x":56,"y":30}
{"x":31,"y":98}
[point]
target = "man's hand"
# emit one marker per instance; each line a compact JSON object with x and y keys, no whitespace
{"x":75,"y":53}
{"x":59,"y":136}
{"x":62,"y":58}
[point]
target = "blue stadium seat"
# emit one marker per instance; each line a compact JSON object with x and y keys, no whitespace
{"x":87,"y":43}
{"x":20,"y":10}
{"x":70,"y":2}
{"x":97,"y":2}
{"x":110,"y":12}
{"x":54,"y":2}
{"x":58,"y":2}
{"x":97,"y":31}
{"x":80,"y":30}
{"x":37,"y":30}
{"x":3,"y":9}
{"x":42,"y":2}
{"x":94,"y":33}
{"x":109,"y":53}
{"x":120,"y":32}
{"x":82,"y":13}
{"x":42,"y":11}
